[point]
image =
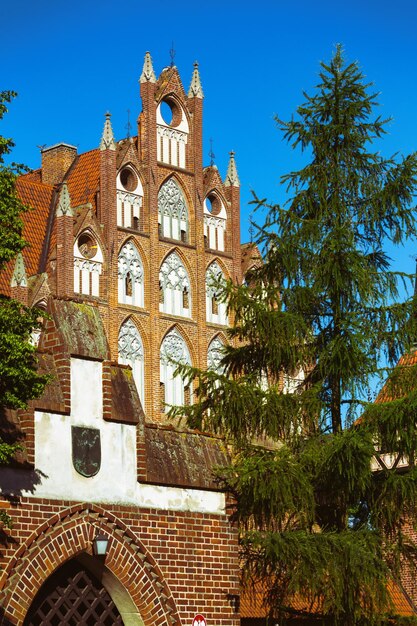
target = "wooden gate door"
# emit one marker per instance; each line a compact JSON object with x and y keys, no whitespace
{"x":74,"y":597}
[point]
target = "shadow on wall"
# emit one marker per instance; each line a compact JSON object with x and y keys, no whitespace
{"x":18,"y":475}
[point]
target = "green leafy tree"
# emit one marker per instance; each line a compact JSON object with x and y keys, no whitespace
{"x":318,"y":319}
{"x":19,"y":380}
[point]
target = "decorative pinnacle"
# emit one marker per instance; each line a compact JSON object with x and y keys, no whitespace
{"x":196,"y":90}
{"x":148,"y":75}
{"x":19,"y":278}
{"x":232,"y":179}
{"x":64,"y":204}
{"x":107,"y":139}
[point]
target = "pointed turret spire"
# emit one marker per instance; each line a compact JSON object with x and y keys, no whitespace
{"x":107,"y":139}
{"x":195,"y":91}
{"x":414,"y":311}
{"x":64,"y":204}
{"x":19,"y":278}
{"x":148,"y":75}
{"x":232,"y":179}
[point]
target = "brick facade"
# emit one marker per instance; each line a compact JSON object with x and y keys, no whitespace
{"x":168,"y":561}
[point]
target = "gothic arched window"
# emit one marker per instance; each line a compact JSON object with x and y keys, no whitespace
{"x":172,"y":212}
{"x":88,"y":264}
{"x":130,"y":275}
{"x":215,"y":354}
{"x":173,"y":389}
{"x":131,"y":353}
{"x":215,"y":307}
{"x":215,"y":218}
{"x":129,"y":198}
{"x":174,"y":285}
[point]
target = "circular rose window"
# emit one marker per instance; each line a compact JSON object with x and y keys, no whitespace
{"x":87,"y":246}
{"x":128,"y":179}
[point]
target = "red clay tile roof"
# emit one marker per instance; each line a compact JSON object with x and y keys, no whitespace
{"x":386,"y":394}
{"x":37,"y":196}
{"x":35,"y":176}
{"x":83,"y":178}
{"x":252,"y":607}
{"x":83,"y":181}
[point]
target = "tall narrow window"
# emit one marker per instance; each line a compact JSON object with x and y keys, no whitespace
{"x":215,"y":307}
{"x":174,"y":351}
{"x":130,"y":276}
{"x":88,"y":263}
{"x":131,"y":353}
{"x":185,"y":299}
{"x":172,"y":212}
{"x":128,"y":285}
{"x":129,"y":198}
{"x":214,"y":356}
{"x":175,"y":284}
{"x":215,"y":220}
{"x":162,"y":396}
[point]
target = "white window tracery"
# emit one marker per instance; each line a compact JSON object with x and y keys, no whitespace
{"x":88,"y":264}
{"x":172,"y":212}
{"x":214,"y":232}
{"x":173,"y":389}
{"x":214,"y":356}
{"x":131,"y":353}
{"x":215,"y":218}
{"x":129,"y":198}
{"x":216,"y":310}
{"x":172,"y":137}
{"x":174,"y":285}
{"x":130,"y":276}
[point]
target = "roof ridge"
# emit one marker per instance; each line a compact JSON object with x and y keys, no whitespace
{"x":35,"y":182}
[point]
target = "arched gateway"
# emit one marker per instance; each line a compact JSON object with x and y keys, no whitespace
{"x":73,"y":596}
{"x":65,"y":584}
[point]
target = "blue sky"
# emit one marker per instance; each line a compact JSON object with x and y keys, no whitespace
{"x":72,"y":61}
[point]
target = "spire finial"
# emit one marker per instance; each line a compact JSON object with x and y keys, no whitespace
{"x":64,"y":203}
{"x":128,"y":125}
{"x":196,"y":90}
{"x":107,"y":139}
{"x":211,"y":153}
{"x":251,"y":228}
{"x":414,"y":309}
{"x":19,"y":278}
{"x":232,"y":179}
{"x":172,"y":53}
{"x":148,"y":75}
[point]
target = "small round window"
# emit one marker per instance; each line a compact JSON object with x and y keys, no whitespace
{"x":170,"y":112}
{"x":128,"y":179}
{"x":87,"y":246}
{"x":213,"y":204}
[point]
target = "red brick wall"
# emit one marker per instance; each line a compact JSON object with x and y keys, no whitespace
{"x":173,"y":564}
{"x":56,"y":161}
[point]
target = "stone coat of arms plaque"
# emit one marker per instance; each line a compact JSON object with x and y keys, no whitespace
{"x":86,"y":450}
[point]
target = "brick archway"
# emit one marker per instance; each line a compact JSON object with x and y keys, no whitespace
{"x":132,"y":574}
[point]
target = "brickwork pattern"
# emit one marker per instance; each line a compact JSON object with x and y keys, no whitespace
{"x":56,"y":161}
{"x":173,"y":564}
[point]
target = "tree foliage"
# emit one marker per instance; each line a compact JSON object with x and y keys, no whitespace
{"x":320,"y":318}
{"x":19,"y":380}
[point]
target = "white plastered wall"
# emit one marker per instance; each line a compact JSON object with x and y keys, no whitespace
{"x":116,"y":481}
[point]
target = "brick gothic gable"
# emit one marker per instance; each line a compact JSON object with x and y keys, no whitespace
{"x":99,"y":456}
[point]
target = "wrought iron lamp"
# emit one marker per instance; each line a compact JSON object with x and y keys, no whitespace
{"x":100,"y":544}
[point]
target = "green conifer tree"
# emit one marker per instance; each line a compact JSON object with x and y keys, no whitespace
{"x":318,"y":318}
{"x":19,"y":380}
